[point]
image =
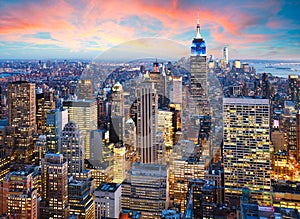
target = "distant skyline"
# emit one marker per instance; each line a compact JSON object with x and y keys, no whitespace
{"x":86,"y":29}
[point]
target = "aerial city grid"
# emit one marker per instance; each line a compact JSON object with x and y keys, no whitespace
{"x":149,"y":109}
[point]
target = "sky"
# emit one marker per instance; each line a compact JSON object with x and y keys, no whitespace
{"x":251,"y":29}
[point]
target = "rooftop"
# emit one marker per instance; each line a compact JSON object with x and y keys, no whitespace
{"x":108,"y":187}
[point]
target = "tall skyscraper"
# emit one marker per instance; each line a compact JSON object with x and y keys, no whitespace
{"x":84,"y":113}
{"x":225,"y":55}
{"x":146,"y":120}
{"x":54,"y":202}
{"x":246,"y":148}
{"x":21,"y":121}
{"x":72,"y":148}
{"x":117,"y":114}
{"x":199,"y":90}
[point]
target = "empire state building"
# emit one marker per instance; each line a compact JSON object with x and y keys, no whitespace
{"x":198,"y":68}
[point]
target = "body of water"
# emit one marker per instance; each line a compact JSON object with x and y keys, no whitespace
{"x":276,"y":68}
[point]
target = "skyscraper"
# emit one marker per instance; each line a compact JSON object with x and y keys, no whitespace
{"x":72,"y":148}
{"x":146,"y":120}
{"x":117,"y":114}
{"x":21,"y":121}
{"x":54,"y":202}
{"x":85,"y":89}
{"x":55,"y":122}
{"x":84,"y":113}
{"x":199,"y":90}
{"x":44,"y":102}
{"x":246,"y":148}
{"x":294,"y":90}
{"x":225,"y":55}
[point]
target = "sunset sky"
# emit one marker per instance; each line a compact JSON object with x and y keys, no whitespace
{"x":36,"y":29}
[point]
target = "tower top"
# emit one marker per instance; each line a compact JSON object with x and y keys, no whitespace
{"x":198,"y":34}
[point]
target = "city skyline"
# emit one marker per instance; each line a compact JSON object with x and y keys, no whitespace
{"x":86,"y":29}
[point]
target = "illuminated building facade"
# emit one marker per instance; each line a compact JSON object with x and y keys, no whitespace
{"x":119,"y":163}
{"x":54,"y":202}
{"x":145,"y":189}
{"x":294,"y":90}
{"x":246,"y":149}
{"x":184,"y":170}
{"x":55,"y":122}
{"x":44,"y":103}
{"x":165,"y":125}
{"x":80,"y":200}
{"x":201,"y":199}
{"x":107,"y":200}
{"x":4,"y":164}
{"x":21,"y":121}
{"x":84,"y":113}
{"x":18,"y":195}
{"x":286,"y":194}
{"x":85,"y":89}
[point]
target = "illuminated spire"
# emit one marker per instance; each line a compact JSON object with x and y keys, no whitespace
{"x":198,"y":35}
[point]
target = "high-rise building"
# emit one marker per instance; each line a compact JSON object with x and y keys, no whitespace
{"x":55,"y":122}
{"x":72,"y":148}
{"x":177,"y":89}
{"x":146,"y":121}
{"x":117,"y":114}
{"x":145,"y":189}
{"x":54,"y":202}
{"x":80,"y":200}
{"x":2,"y":104}
{"x":18,"y":197}
{"x":246,"y":148}
{"x":85,"y":89}
{"x":298,"y":136}
{"x":107,"y":200}
{"x":44,"y":103}
{"x":225,"y":55}
{"x":84,"y":113}
{"x":4,"y":164}
{"x":119,"y":163}
{"x":21,"y":121}
{"x":117,"y":106}
{"x":265,"y":86}
{"x":199,"y":90}
{"x":184,"y":170}
{"x":294,"y":90}
{"x":40,"y":149}
{"x":165,"y":125}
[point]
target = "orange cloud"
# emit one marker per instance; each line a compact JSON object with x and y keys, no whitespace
{"x":75,"y":25}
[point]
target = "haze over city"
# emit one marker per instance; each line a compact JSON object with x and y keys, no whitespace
{"x":85,"y":29}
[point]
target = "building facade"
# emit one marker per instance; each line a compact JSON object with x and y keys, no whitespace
{"x":246,"y":149}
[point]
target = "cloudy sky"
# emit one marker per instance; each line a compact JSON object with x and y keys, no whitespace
{"x":86,"y":28}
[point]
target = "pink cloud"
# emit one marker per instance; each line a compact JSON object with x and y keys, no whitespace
{"x":74,"y":27}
